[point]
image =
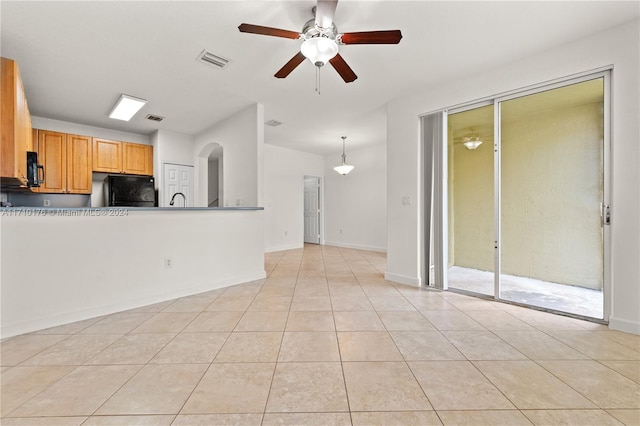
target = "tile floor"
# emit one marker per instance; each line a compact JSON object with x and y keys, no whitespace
{"x":324,"y":340}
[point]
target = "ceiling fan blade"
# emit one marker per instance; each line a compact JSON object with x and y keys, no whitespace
{"x":291,"y":65}
{"x":372,"y":37}
{"x":343,"y":68}
{"x":325,"y":9}
{"x":276,"y":32}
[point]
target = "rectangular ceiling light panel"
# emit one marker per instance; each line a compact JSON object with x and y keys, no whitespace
{"x":126,"y":107}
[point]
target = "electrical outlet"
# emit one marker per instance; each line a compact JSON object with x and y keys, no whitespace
{"x":46,"y":203}
{"x":168,"y":263}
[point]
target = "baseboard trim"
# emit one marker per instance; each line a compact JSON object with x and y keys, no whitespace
{"x":283,"y":248}
{"x":356,"y":246}
{"x":402,"y":279}
{"x":624,"y":325}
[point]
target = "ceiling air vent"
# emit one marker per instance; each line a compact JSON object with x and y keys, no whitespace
{"x":154,"y":117}
{"x":273,"y":123}
{"x":213,"y":60}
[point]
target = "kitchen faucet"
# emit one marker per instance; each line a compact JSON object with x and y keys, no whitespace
{"x":183,"y":198}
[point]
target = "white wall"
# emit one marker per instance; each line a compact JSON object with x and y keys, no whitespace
{"x":620,"y":47}
{"x":170,"y":147}
{"x":90,"y":266}
{"x":241,"y":137}
{"x":357,"y":203}
{"x":284,"y":171}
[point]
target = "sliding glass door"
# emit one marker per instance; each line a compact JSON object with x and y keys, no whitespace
{"x":551,"y":189}
{"x":470,"y":187}
{"x":527,"y":197}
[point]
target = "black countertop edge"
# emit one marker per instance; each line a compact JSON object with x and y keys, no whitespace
{"x":131,"y":209}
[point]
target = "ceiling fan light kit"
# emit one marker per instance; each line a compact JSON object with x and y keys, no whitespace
{"x":319,"y":50}
{"x":472,"y":142}
{"x":321,"y":41}
{"x":344,"y":168}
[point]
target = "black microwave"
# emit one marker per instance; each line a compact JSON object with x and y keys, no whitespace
{"x":33,"y":169}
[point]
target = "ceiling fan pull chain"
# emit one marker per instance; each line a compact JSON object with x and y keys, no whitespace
{"x":318,"y":79}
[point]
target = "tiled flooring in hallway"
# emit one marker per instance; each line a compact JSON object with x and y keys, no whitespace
{"x":324,"y":340}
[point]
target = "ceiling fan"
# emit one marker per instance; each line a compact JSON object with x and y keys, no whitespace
{"x":321,"y":39}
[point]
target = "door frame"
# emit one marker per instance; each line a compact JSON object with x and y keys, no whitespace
{"x":440,"y":180}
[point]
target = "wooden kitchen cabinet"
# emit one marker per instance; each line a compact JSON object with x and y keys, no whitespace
{"x":79,"y":164}
{"x":122,"y":157}
{"x":67,"y":162}
{"x":137,"y":159}
{"x":15,"y":124}
{"x":107,"y":156}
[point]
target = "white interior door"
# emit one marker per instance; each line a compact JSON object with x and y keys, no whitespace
{"x":186,"y":183}
{"x":177,"y":178}
{"x":312,"y":210}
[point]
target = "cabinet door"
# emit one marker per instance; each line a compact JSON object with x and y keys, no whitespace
{"x":52,"y":155}
{"x":107,"y":156}
{"x":138,"y":159}
{"x":79,"y":162}
{"x":24,"y":131}
{"x":15,"y":123}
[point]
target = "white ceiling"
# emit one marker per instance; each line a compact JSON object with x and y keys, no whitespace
{"x":76,"y":58}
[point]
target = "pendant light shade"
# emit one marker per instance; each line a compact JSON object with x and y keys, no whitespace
{"x":472,"y":142}
{"x":344,"y":168}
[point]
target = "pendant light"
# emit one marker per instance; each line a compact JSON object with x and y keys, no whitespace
{"x":344,"y":168}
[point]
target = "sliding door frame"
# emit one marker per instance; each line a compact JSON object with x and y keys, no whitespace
{"x":438,"y":177}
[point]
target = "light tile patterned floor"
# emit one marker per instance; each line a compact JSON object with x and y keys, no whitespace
{"x":324,"y":340}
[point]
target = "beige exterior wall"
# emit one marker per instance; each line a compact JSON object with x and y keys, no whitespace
{"x":551,"y":191}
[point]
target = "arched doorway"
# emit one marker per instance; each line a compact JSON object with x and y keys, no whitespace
{"x":211,"y":176}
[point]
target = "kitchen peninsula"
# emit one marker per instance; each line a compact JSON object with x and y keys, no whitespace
{"x":66,"y":265}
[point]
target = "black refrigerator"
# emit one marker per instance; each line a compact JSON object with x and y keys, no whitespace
{"x":130,"y":191}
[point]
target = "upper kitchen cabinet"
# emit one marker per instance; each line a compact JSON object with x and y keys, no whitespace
{"x":16,"y":133}
{"x":107,"y":156}
{"x":122,"y":157}
{"x":67,"y":162}
{"x":137,"y":159}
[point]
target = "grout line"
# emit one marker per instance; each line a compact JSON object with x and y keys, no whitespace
{"x":344,"y":377}
{"x":275,"y":366}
